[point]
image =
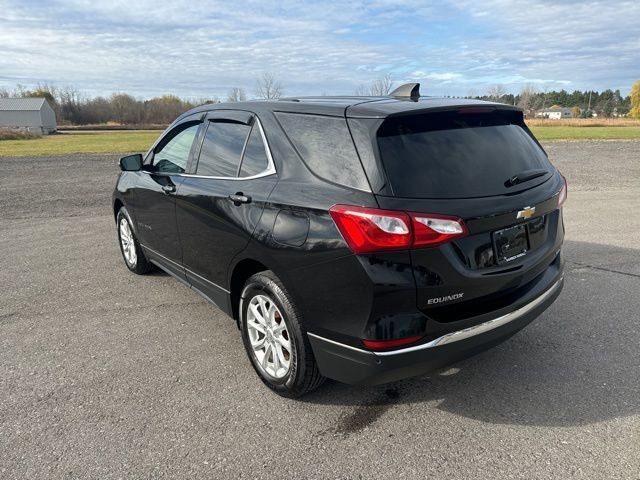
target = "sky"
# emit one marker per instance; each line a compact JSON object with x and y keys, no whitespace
{"x":198,"y":49}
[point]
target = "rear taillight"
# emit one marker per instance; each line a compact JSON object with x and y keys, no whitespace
{"x":384,"y":344}
{"x":562,"y":196}
{"x":371,"y":229}
{"x":431,"y":230}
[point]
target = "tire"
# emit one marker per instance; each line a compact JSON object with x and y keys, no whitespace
{"x":132,"y":254}
{"x":264,"y":292}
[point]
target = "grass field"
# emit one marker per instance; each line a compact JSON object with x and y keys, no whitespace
{"x":585,"y":133}
{"x":116,"y":142}
{"x":121,"y":142}
{"x":584,"y":122}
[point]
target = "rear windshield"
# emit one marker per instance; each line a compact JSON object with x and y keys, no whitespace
{"x":460,"y":155}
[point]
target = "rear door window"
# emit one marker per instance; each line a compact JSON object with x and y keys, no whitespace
{"x":222,"y":149}
{"x":460,"y":155}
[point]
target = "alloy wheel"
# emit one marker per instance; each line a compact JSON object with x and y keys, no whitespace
{"x":127,"y":242}
{"x":269,"y":337}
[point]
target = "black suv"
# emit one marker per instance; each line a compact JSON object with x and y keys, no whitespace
{"x":363,"y":239}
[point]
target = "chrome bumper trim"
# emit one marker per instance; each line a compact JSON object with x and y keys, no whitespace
{"x":461,"y":334}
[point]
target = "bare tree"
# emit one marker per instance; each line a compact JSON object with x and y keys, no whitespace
{"x":125,"y":108}
{"x":496,"y":92}
{"x":527,"y":98}
{"x":20,"y":91}
{"x":269,"y":88}
{"x":162,"y":110}
{"x":236,"y":95}
{"x":4,"y":92}
{"x":381,"y":86}
{"x":95,"y":111}
{"x":70,"y":101}
{"x":362,"y":90}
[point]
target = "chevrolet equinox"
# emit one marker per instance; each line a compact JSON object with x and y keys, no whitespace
{"x":363,"y":239}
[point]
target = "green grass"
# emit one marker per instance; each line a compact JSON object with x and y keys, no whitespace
{"x":113,"y":142}
{"x":585,"y":133}
{"x":121,"y":142}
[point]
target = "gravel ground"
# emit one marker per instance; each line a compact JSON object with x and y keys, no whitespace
{"x":104,"y":374}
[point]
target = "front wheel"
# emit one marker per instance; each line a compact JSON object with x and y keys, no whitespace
{"x":130,"y":248}
{"x":274,"y":338}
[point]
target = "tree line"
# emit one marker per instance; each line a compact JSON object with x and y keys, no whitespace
{"x":74,"y":108}
{"x":608,"y":103}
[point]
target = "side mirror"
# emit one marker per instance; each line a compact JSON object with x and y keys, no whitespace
{"x":131,"y":163}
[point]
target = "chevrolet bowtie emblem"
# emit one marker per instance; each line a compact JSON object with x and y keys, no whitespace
{"x":526,"y":212}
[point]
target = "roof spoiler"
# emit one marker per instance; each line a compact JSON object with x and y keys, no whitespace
{"x":408,"y":90}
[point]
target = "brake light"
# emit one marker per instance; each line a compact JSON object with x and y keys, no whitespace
{"x":431,"y":230}
{"x":477,"y":110}
{"x":371,"y":229}
{"x":384,"y":344}
{"x":562,"y":196}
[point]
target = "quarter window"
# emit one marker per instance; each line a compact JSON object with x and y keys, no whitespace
{"x":325,"y":145}
{"x":255,"y":158}
{"x":222,"y":149}
{"x":174,"y":155}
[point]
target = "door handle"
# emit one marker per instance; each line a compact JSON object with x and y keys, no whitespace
{"x":167,"y":189}
{"x":239,"y":198}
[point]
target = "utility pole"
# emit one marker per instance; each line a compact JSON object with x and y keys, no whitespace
{"x":589,"y":108}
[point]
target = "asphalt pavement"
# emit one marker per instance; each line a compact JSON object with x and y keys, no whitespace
{"x":105,"y":374}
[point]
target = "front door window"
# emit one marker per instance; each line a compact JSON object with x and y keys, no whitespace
{"x":174,"y":155}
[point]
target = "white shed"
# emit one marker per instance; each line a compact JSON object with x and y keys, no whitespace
{"x":32,"y":114}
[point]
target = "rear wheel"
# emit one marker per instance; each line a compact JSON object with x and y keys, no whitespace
{"x":275,"y":339}
{"x":132,"y":253}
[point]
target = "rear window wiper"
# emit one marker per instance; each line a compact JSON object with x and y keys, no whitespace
{"x":525,"y":177}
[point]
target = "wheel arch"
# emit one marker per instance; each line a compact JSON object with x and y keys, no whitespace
{"x":117,"y":205}
{"x":241,"y":272}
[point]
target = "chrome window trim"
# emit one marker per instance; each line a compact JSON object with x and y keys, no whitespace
{"x":460,"y":334}
{"x":270,"y":170}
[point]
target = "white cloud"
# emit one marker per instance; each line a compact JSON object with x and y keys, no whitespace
{"x":204,"y":48}
{"x":443,"y":77}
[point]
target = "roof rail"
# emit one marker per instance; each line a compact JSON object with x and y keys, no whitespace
{"x":408,"y":90}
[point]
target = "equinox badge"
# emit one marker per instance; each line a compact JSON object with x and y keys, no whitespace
{"x":526,"y":212}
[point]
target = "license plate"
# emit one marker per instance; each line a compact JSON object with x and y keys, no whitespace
{"x":510,"y":243}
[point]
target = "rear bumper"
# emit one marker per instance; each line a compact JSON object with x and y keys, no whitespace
{"x":362,"y":367}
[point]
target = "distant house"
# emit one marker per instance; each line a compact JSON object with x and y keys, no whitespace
{"x":32,"y":114}
{"x":555,"y":113}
